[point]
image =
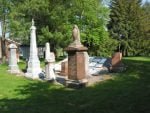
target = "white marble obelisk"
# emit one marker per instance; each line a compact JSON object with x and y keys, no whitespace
{"x":33,"y":70}
{"x":49,"y":63}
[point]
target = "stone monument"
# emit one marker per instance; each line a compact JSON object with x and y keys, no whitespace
{"x":116,"y":63}
{"x":49,"y":63}
{"x":76,"y":61}
{"x":33,"y":70}
{"x":64,"y":68}
{"x":13,"y":67}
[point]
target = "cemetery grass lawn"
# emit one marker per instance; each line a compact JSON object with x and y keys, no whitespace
{"x":127,"y":92}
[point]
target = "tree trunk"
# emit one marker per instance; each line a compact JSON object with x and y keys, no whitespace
{"x":3,"y":51}
{"x":3,"y":25}
{"x":123,"y":52}
{"x":0,"y":51}
{"x":126,"y":53}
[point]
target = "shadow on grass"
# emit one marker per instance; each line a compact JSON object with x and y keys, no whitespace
{"x":129,"y":92}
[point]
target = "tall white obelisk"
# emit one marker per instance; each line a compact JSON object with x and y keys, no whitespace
{"x":33,"y":70}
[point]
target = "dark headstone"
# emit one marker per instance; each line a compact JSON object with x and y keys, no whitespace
{"x":64,"y":68}
{"x":116,"y":63}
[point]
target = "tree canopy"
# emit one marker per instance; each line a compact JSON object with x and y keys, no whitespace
{"x":128,"y":26}
{"x":54,"y":21}
{"x":127,"y":22}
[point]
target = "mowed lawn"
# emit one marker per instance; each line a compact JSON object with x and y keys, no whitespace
{"x":128,"y":92}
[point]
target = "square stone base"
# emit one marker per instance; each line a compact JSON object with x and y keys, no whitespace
{"x":34,"y":75}
{"x":76,"y":83}
{"x":17,"y":71}
{"x":13,"y":69}
{"x":117,"y":68}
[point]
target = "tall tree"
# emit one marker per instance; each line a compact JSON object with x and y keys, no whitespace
{"x":4,"y":19}
{"x":54,"y":21}
{"x":126,"y":25}
{"x":145,"y":48}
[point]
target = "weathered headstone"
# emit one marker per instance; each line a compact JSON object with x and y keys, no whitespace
{"x":13,"y":67}
{"x":64,"y":68}
{"x":33,"y":70}
{"x":116,"y":63}
{"x":76,"y":61}
{"x":49,"y":63}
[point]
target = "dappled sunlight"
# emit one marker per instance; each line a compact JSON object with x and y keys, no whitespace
{"x":126,"y":93}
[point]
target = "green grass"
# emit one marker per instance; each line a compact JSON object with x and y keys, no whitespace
{"x":128,"y":92}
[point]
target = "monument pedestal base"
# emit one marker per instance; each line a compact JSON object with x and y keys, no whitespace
{"x":119,"y":68}
{"x":14,"y":71}
{"x":76,"y":83}
{"x":34,"y":73}
{"x":49,"y":71}
{"x":77,"y":77}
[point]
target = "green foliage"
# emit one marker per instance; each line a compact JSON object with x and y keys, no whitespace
{"x":4,"y":16}
{"x":145,"y":48}
{"x":54,"y":21}
{"x":4,"y":23}
{"x":127,"y":25}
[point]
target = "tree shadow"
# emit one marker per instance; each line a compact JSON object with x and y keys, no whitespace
{"x":23,"y":66}
{"x":129,"y":92}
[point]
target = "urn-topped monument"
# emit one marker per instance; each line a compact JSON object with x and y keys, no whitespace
{"x":33,"y":70}
{"x":76,"y":60}
{"x":49,"y":63}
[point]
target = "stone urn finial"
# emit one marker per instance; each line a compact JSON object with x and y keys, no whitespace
{"x":76,"y":37}
{"x":76,"y":33}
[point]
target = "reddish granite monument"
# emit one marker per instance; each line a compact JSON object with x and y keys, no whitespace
{"x":116,"y":62}
{"x":64,"y":68}
{"x":76,"y":61}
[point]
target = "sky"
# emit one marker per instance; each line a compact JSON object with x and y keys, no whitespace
{"x":104,"y":1}
{"x":145,"y":1}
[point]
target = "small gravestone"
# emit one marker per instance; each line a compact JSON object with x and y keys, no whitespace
{"x":76,"y":61}
{"x":64,"y":68}
{"x":49,"y":63}
{"x":13,"y":67}
{"x":116,"y":63}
